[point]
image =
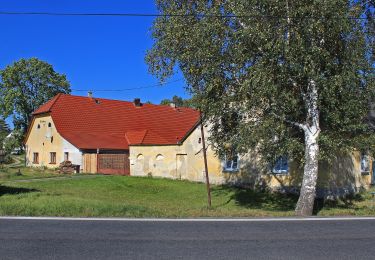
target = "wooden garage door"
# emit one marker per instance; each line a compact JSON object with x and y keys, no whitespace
{"x":114,"y":164}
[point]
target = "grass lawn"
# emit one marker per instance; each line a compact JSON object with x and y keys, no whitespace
{"x":16,"y":170}
{"x":117,"y":196}
{"x":38,"y":192}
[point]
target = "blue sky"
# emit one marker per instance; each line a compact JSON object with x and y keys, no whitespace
{"x":94,"y":52}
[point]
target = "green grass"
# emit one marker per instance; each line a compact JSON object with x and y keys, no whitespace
{"x":24,"y":173}
{"x":117,"y":196}
{"x":17,"y":171}
{"x":35,"y":193}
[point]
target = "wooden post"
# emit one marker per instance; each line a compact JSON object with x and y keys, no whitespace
{"x":205,"y":162}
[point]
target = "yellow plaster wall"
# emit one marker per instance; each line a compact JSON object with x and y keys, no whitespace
{"x":343,"y":173}
{"x":179,"y":161}
{"x":186,"y":162}
{"x":39,"y":141}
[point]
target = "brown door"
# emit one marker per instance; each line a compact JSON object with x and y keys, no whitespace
{"x":114,"y":164}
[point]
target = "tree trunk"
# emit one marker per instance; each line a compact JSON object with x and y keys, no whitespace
{"x":305,"y":204}
{"x":306,"y":199}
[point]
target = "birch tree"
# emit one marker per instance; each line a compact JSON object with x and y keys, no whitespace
{"x":286,"y":77}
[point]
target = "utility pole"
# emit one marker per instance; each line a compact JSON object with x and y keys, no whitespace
{"x":205,"y":161}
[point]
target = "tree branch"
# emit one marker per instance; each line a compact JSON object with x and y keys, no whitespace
{"x":301,"y":126}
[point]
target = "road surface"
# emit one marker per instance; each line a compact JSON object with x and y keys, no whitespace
{"x":148,"y":239}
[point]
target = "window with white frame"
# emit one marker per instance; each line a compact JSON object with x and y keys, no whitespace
{"x":231,"y":163}
{"x":281,"y":165}
{"x":365,"y":162}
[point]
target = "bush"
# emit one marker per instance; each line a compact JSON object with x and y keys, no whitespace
{"x":8,"y":159}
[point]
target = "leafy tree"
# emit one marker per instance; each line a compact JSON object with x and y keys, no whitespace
{"x":11,"y":143}
{"x":27,"y":84}
{"x":4,"y":131}
{"x":180,"y":102}
{"x":290,"y":77}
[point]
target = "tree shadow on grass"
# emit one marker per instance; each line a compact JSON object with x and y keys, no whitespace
{"x":257,"y":199}
{"x":344,"y":202}
{"x":276,"y":201}
{"x":4,"y":190}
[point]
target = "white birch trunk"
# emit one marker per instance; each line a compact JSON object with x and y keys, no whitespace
{"x":306,"y":199}
{"x":307,"y":196}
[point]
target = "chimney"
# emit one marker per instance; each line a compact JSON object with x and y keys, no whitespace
{"x":89,"y":94}
{"x":137,"y":102}
{"x":173,"y":105}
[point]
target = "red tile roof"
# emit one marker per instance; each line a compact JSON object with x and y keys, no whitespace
{"x":91,"y":123}
{"x":46,"y":107}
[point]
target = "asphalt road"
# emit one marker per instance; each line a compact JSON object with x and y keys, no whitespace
{"x":72,"y":239}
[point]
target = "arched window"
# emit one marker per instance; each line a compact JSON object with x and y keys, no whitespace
{"x":140,"y":157}
{"x":159,"y":157}
{"x":38,"y":126}
{"x":49,"y":124}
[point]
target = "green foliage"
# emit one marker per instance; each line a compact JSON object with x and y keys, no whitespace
{"x":4,"y":131}
{"x":12,"y":142}
{"x":256,"y":59}
{"x":25,"y":85}
{"x":179,"y":102}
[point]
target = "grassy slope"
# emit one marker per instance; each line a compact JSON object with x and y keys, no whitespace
{"x":40,"y":192}
{"x":134,"y":197}
{"x":118,"y":196}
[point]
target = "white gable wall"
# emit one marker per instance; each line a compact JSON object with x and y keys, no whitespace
{"x":75,"y":155}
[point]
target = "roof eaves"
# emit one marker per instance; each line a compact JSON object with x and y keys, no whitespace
{"x":189,"y":132}
{"x":53,"y":102}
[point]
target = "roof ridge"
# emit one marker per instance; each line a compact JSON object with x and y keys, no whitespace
{"x":127,"y":101}
{"x":55,"y":99}
{"x":144,"y":135}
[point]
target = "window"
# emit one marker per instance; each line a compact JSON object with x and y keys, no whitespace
{"x":365,"y":163}
{"x":281,"y":165}
{"x":66,"y":156}
{"x":38,"y":126}
{"x":231,"y":163}
{"x":49,"y":125}
{"x":159,"y":157}
{"x":36,"y":158}
{"x":52,"y":158}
